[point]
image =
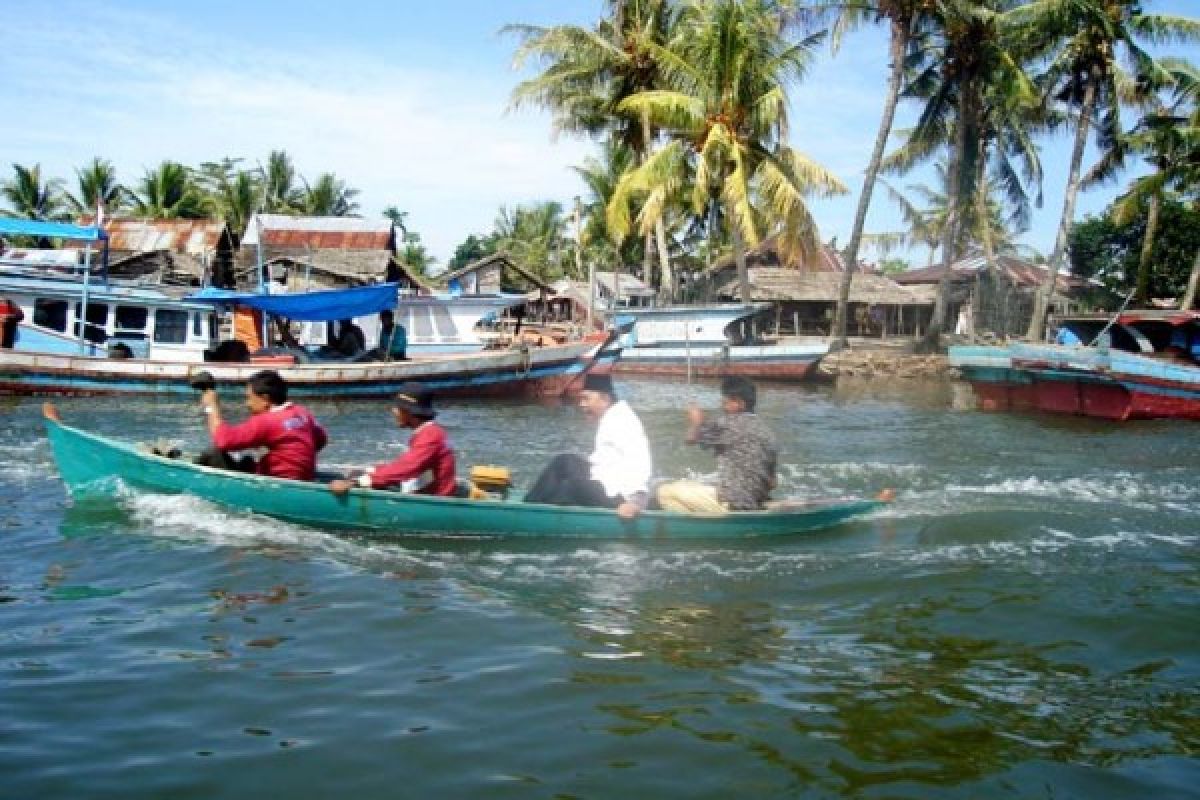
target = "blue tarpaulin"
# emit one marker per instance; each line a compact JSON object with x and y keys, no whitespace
{"x":50,"y":230}
{"x":309,"y":306}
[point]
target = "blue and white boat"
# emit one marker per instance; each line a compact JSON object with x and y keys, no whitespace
{"x":710,"y":341}
{"x":84,"y":334}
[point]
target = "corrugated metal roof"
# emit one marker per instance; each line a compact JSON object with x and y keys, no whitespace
{"x":196,"y":237}
{"x":322,"y":233}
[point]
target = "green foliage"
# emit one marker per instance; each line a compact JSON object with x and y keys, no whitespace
{"x":894,"y":266}
{"x":329,"y":197}
{"x":1108,"y":252}
{"x":471,"y":250}
{"x":32,"y":196}
{"x":535,"y":236}
{"x":170,"y":191}
{"x":98,"y":186}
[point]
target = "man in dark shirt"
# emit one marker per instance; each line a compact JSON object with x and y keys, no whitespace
{"x":746,"y":456}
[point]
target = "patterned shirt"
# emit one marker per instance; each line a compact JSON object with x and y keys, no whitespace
{"x":746,"y":459}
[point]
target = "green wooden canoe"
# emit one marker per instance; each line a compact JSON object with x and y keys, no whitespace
{"x":92,"y":463}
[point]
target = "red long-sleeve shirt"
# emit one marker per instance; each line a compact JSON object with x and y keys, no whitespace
{"x":428,"y":451}
{"x":290,"y":433}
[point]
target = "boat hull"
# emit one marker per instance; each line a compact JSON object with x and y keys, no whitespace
{"x":1075,"y":380}
{"x":89,"y":463}
{"x":542,"y":371}
{"x":765,"y":362}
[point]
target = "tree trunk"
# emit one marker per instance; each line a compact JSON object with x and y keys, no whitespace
{"x":739,"y":257}
{"x":1041,"y":300}
{"x":648,"y":238}
{"x":1189,"y":295}
{"x":1142,"y":295}
{"x":896,"y":47}
{"x":932,"y":339}
{"x":985,"y":239}
{"x":664,"y":261}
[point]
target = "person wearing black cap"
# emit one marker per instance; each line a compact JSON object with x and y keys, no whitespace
{"x":428,"y":450}
{"x":616,"y":474}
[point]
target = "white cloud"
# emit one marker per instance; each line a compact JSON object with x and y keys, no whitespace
{"x":438,"y":144}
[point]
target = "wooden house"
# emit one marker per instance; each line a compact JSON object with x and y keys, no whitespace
{"x":173,"y":252}
{"x":321,"y":252}
{"x":804,"y":294}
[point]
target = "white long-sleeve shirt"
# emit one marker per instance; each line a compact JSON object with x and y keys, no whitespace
{"x":621,"y":460}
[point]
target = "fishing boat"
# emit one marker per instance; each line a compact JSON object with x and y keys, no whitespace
{"x":90,"y":463}
{"x":80,"y":333}
{"x":1136,"y":365}
{"x":710,"y":341}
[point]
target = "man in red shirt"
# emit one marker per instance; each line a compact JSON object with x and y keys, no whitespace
{"x":289,"y":431}
{"x":428,"y":450}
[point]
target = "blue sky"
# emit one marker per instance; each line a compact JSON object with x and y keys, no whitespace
{"x":406,"y":102}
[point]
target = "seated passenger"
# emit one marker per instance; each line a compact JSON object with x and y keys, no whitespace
{"x":746,"y":456}
{"x":289,"y":432}
{"x":393,"y":339}
{"x":616,"y":474}
{"x":428,"y":450}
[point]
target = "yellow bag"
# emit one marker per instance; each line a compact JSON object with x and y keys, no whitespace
{"x":490,"y":478}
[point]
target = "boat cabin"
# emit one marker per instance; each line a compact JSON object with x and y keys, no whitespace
{"x":113,"y":321}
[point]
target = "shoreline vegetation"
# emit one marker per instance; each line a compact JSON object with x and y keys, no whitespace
{"x":687,"y":102}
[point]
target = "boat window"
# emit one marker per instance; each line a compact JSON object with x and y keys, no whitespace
{"x":197,"y":326}
{"x":50,"y":314}
{"x":131,"y":318}
{"x":170,"y":326}
{"x":95,"y":329}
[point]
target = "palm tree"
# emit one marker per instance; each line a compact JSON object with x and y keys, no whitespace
{"x":281,"y":195}
{"x":601,"y":174}
{"x":726,"y":112}
{"x":902,"y":17}
{"x":169,"y":192}
{"x":233,"y":194}
{"x":1085,"y":40}
{"x":397,"y":217}
{"x":98,"y":189}
{"x":980,"y":107}
{"x":32,"y":197}
{"x":329,"y":197}
{"x":590,"y":71}
{"x":415,"y":256}
{"x":535,"y":236}
{"x":1162,"y":138}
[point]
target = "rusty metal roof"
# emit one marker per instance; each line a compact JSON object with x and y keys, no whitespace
{"x":319,"y":233}
{"x":196,"y":237}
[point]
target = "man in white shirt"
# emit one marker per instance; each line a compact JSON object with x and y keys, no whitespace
{"x":616,"y":474}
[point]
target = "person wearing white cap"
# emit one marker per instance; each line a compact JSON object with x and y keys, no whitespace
{"x":616,"y":474}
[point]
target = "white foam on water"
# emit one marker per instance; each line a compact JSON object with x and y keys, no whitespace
{"x":191,"y":519}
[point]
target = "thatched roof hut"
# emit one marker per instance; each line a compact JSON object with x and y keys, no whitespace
{"x":772,"y":284}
